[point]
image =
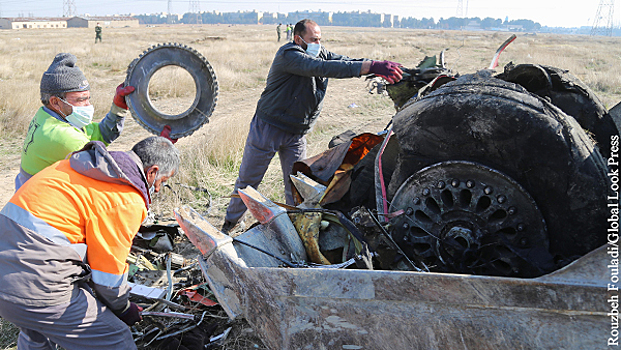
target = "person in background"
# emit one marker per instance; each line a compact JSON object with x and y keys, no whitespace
{"x":64,"y":123}
{"x":64,"y":241}
{"x":289,"y":106}
{"x":97,"y":33}
{"x":289,"y":32}
{"x":278,"y":30}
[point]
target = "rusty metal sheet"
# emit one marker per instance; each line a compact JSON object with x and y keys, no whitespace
{"x":337,"y":160}
{"x":321,"y":167}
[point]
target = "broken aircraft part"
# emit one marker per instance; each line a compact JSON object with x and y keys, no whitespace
{"x":362,"y":309}
{"x":500,"y":125}
{"x":142,"y":69}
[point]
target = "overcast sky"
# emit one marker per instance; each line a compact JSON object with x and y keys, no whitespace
{"x":563,"y":13}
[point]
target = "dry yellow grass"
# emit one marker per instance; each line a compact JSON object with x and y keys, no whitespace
{"x":241,"y":57}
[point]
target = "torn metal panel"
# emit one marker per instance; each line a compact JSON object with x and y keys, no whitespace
{"x":360,"y":309}
{"x":310,"y":190}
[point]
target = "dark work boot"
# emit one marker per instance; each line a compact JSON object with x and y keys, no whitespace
{"x":228,"y":226}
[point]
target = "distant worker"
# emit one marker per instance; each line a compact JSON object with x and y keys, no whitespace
{"x":289,"y":30}
{"x":65,"y":122}
{"x":70,"y":229}
{"x":97,"y":33}
{"x":290,"y":105}
{"x":278,"y":30}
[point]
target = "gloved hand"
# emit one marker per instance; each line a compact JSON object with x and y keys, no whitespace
{"x":131,"y":315}
{"x":387,"y":69}
{"x":121,"y":92}
{"x":166,"y":133}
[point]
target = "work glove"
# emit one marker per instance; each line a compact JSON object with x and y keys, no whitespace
{"x":121,"y":92}
{"x":387,"y":69}
{"x":131,"y":315}
{"x":166,"y":133}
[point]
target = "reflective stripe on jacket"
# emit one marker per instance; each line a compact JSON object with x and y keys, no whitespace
{"x":62,"y":216}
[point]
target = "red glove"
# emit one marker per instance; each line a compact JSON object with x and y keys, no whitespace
{"x":166,"y":133}
{"x":121,"y":92}
{"x":387,"y":69}
{"x":131,"y":315}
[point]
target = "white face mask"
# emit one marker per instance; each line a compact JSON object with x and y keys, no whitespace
{"x":152,"y":186}
{"x":80,"y":116}
{"x":312,"y":48}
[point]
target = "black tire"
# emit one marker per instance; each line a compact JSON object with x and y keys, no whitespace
{"x":502,"y":126}
{"x":568,"y":93}
{"x":139,"y":74}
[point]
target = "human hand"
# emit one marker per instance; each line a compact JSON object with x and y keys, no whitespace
{"x":121,"y":92}
{"x":387,"y":69}
{"x":166,"y":133}
{"x":131,"y":315}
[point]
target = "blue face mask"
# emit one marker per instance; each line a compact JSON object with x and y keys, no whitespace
{"x":80,"y":116}
{"x":312,"y":48}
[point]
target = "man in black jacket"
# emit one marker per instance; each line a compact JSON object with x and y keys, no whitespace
{"x":290,"y":104}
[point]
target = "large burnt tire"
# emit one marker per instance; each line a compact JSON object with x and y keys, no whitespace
{"x":502,"y":126}
{"x":568,"y":93}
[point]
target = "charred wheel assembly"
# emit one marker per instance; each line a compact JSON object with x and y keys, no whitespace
{"x":555,"y":179}
{"x":465,"y":217}
{"x":489,"y":174}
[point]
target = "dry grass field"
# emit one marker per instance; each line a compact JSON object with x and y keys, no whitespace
{"x":241,"y":57}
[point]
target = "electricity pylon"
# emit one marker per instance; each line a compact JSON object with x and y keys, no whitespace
{"x":195,"y":7}
{"x":69,"y":8}
{"x":602,"y":24}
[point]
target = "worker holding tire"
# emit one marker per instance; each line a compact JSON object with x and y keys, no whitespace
{"x":64,"y":123}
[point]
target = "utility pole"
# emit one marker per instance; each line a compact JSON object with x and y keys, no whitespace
{"x":195,"y":7}
{"x":602,"y":24}
{"x":69,"y":8}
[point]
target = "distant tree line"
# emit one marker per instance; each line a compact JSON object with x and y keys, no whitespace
{"x":350,"y":19}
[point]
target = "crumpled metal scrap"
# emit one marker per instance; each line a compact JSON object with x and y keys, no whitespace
{"x":179,"y":309}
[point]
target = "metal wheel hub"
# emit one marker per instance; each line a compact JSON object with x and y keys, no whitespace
{"x":464,"y":217}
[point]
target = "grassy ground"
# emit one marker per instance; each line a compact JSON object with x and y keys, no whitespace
{"x":241,"y":57}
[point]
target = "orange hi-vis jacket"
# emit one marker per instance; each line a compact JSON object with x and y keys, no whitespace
{"x":79,"y":212}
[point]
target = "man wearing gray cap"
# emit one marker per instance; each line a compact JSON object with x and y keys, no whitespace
{"x":65,"y":122}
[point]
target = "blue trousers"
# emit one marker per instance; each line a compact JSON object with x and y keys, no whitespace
{"x":263,"y":141}
{"x":82,"y":323}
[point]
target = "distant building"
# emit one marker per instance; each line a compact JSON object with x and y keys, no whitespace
{"x":32,"y":23}
{"x":106,"y":22}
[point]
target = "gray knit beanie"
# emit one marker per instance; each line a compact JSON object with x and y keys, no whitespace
{"x":63,"y":76}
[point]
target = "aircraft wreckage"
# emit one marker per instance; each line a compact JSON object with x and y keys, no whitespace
{"x":479,"y":219}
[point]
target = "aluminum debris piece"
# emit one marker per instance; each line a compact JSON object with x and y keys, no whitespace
{"x":338,"y":308}
{"x":168,"y":314}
